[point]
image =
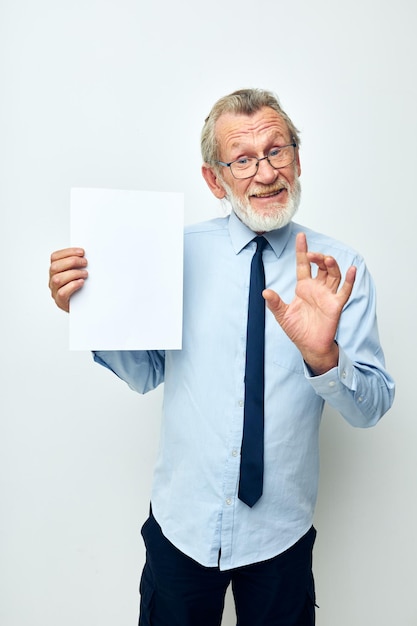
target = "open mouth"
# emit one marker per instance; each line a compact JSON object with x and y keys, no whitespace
{"x":269,"y":194}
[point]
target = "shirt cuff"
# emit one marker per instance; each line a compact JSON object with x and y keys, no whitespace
{"x":339,"y":377}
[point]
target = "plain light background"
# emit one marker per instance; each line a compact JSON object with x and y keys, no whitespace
{"x":106,"y":93}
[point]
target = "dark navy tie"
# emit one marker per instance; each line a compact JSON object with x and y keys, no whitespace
{"x":252,"y":453}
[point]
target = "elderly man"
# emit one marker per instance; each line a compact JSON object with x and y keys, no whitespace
{"x":235,"y":483}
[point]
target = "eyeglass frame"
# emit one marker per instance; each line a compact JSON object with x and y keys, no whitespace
{"x":293,"y":144}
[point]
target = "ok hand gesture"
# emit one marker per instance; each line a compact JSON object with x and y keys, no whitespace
{"x":311,"y":319}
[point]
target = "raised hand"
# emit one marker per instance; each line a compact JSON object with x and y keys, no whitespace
{"x":311,"y":319}
{"x":67,"y":274}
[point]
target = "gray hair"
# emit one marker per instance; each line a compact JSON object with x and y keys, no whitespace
{"x":241,"y":102}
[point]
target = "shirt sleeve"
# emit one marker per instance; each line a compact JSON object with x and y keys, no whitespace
{"x":360,"y":387}
{"x":142,"y":370}
{"x":361,"y":394}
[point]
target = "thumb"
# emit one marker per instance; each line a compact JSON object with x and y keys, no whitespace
{"x":275,"y":304}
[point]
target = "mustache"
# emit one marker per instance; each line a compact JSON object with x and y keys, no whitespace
{"x":268,"y":189}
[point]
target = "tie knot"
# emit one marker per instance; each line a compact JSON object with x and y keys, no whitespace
{"x":260,"y":243}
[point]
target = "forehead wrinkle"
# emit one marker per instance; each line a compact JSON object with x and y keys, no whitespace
{"x":256,"y":137}
{"x":240,"y":131}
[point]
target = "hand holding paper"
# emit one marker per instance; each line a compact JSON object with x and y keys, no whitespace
{"x":67,"y":274}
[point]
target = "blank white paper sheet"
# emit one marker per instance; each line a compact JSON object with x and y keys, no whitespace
{"x":132,"y":298}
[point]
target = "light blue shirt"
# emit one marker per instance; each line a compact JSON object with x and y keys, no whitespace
{"x":194,"y":496}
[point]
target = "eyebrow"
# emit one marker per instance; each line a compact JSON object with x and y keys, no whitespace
{"x":274,"y":141}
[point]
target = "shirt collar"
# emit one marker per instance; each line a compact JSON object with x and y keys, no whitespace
{"x":241,"y":235}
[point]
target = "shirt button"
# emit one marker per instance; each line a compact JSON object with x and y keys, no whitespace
{"x":360,"y":399}
{"x":235,"y":452}
{"x":228,"y":501}
{"x":241,"y":403}
{"x":332,"y":383}
{"x":344,"y":374}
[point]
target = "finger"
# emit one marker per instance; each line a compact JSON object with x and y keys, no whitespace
{"x":66,"y":263}
{"x":346,"y":288}
{"x":303,"y":264}
{"x":275,"y":304}
{"x":66,"y":252}
{"x":319,"y":260}
{"x":63,"y":295}
{"x":328,"y":271}
{"x":333,"y":273}
{"x":332,"y":267}
{"x":63,"y":278}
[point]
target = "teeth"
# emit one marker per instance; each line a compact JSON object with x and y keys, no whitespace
{"x":267,"y":195}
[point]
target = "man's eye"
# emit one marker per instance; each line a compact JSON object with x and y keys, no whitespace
{"x":243,"y":160}
{"x":274,"y":152}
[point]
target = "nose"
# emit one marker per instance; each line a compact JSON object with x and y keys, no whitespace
{"x":265,"y":172}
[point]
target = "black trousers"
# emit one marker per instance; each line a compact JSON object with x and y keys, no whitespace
{"x":177,"y":591}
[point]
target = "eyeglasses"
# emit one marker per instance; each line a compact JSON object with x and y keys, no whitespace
{"x":246,"y":166}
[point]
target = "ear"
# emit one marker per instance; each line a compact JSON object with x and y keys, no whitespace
{"x":212,"y":181}
{"x":297,"y":162}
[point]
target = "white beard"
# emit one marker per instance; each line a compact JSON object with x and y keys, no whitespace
{"x":280,"y":214}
